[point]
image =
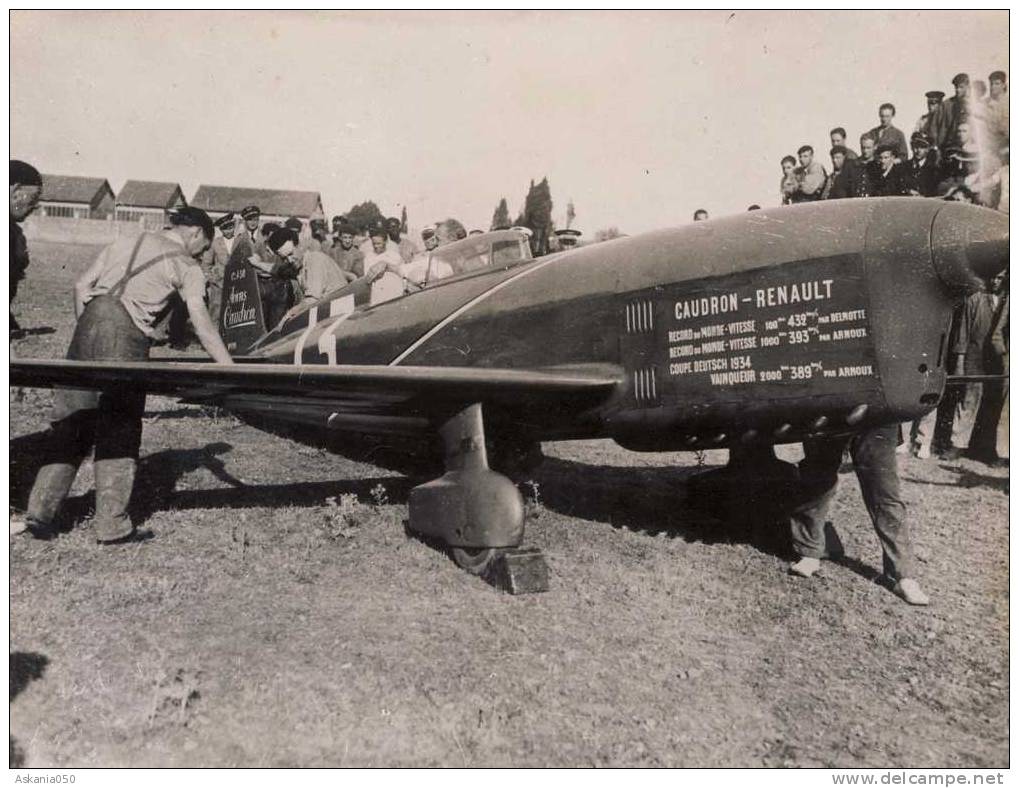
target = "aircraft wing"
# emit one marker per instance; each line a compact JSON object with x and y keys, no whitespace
{"x":209,"y":381}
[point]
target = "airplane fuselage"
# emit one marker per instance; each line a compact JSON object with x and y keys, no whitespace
{"x":766,"y":327}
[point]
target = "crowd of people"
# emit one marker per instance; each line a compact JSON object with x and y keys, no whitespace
{"x":298,"y":262}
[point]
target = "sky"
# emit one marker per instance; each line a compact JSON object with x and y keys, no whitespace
{"x":639,"y":118}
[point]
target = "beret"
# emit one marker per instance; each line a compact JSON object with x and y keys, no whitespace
{"x":24,"y":174}
{"x":189,"y":216}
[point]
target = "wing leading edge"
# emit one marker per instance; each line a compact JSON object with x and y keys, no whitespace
{"x":209,"y":381}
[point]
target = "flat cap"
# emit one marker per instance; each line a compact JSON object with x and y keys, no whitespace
{"x":189,"y":216}
{"x":293,"y":223}
{"x":937,"y":95}
{"x":882,"y":148}
{"x":251,"y":212}
{"x":24,"y":174}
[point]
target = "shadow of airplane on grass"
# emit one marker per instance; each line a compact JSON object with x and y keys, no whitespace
{"x":674,"y":501}
{"x":26,"y":667}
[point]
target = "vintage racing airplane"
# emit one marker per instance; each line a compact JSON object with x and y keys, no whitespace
{"x":755,"y":329}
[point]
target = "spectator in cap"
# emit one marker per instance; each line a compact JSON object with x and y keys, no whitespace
{"x":249,"y":238}
{"x":318,"y":273}
{"x":429,"y":238}
{"x":117,"y":302}
{"x":345,"y":253}
{"x":838,"y":140}
{"x":214,"y":262}
{"x":924,"y":173}
{"x":700,"y":215}
{"x":789,"y":186}
{"x":892,"y":179}
{"x":26,"y":188}
{"x":810,"y":176}
{"x":405,"y":246}
{"x":926,"y":124}
{"x":886,"y":134}
{"x":944,"y":133}
{"x":846,"y":179}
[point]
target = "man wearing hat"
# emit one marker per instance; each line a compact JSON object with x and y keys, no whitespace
{"x":26,"y":188}
{"x":215,"y":259}
{"x":926,"y":124}
{"x":347,"y":256}
{"x":249,"y":234}
{"x":405,"y":246}
{"x":429,"y":238}
{"x":944,"y":128}
{"x":117,"y":302}
{"x":923,"y":168}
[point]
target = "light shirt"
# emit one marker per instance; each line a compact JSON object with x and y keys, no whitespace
{"x":425,"y":268}
{"x":319,"y":275}
{"x":146,"y":293}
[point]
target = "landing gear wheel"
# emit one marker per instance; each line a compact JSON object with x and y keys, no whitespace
{"x":474,"y":559}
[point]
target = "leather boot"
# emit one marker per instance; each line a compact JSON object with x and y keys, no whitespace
{"x":114,"y":482}
{"x":52,"y":484}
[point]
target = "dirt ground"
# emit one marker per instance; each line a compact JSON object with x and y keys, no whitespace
{"x":275,"y":613}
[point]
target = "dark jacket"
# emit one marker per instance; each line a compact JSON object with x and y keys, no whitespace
{"x":896,"y":183}
{"x":926,"y":176}
{"x":847,"y":182}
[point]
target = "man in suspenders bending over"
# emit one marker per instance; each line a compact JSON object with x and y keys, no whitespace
{"x":116,"y":302}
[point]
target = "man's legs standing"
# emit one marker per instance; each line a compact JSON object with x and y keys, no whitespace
{"x":819,"y":476}
{"x":874,"y":460}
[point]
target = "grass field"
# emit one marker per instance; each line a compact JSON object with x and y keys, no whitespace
{"x":275,"y":613}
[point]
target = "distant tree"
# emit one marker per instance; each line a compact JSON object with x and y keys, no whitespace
{"x":501,"y":217}
{"x":365,"y":215}
{"x":607,"y":234}
{"x":403,"y":221}
{"x":538,"y":215}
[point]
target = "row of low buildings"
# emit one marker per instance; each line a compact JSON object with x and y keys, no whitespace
{"x":148,"y":202}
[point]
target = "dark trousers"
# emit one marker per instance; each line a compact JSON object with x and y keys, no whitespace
{"x":109,"y":421}
{"x":873,"y":453}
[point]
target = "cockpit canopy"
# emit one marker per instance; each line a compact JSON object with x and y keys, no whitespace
{"x":498,"y":248}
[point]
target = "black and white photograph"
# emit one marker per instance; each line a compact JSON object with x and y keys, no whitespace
{"x":518,"y":389}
